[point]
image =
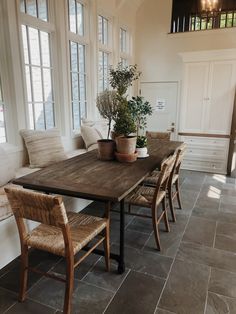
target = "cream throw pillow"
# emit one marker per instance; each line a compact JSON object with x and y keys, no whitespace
{"x":7,"y":171}
{"x":90,"y":135}
{"x":44,"y":147}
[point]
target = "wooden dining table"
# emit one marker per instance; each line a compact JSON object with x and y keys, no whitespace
{"x":85,"y":176}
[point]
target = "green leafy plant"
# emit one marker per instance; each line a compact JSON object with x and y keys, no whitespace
{"x":107,"y":105}
{"x":122,"y":77}
{"x":139,"y":110}
{"x":124,"y":123}
{"x":141,"y":142}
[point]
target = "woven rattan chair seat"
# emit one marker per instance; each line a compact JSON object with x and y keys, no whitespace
{"x":143,"y":196}
{"x":83,"y":229}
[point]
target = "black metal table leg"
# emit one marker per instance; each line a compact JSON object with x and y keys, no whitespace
{"x":121,"y":263}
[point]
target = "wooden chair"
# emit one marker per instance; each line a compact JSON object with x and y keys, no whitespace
{"x":173,"y":181}
{"x":158,"y":135}
{"x":60,"y":233}
{"x":153,"y":197}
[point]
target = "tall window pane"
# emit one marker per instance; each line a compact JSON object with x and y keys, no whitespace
{"x":123,"y":40}
{"x":36,"y":8}
{"x":38,"y":73}
{"x":76,"y":17}
{"x":77,"y":62}
{"x":103,"y":53}
{"x":2,"y":118}
{"x":78,"y":83}
{"x":102,"y":30}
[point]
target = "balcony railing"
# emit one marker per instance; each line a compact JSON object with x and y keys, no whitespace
{"x":204,"y":21}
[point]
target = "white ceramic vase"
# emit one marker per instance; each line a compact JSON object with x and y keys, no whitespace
{"x":142,"y":152}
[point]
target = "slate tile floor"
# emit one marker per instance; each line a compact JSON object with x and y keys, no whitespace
{"x":194,"y":273}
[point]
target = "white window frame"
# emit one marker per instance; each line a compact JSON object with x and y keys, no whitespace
{"x":2,"y":104}
{"x":81,"y":40}
{"x":49,"y":27}
{"x":103,"y":48}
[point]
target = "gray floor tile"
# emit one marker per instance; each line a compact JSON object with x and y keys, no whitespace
{"x":217,"y":304}
{"x":208,"y":203}
{"x":200,"y":231}
{"x":223,"y":283}
{"x":146,"y":262}
{"x":11,"y":281}
{"x":29,"y":307}
{"x":86,"y":298}
{"x":214,"y":215}
{"x":141,"y":224}
{"x":226,"y":237}
{"x":169,"y":240}
{"x":182,"y":291}
{"x":188,"y":198}
{"x":7,"y":299}
{"x":82,"y":269}
{"x":207,"y":256}
{"x":134,"y":239}
{"x":138,"y":294}
{"x":99,"y":277}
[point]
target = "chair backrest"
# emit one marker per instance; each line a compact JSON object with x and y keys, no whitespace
{"x":158,"y":135}
{"x":38,"y":207}
{"x":179,"y":159}
{"x":168,"y":164}
{"x":163,"y":178}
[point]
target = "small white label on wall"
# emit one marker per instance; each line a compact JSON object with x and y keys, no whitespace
{"x":160,"y":104}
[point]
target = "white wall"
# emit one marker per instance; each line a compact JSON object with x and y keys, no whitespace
{"x":157,"y":51}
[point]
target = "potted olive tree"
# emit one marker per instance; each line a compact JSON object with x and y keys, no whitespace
{"x":140,"y":109}
{"x":107,"y":105}
{"x":121,"y":79}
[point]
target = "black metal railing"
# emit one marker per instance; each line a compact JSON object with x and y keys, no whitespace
{"x":204,"y":21}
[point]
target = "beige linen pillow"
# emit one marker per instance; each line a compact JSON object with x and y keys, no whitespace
{"x":90,"y":135}
{"x":44,"y":147}
{"x":7,"y":171}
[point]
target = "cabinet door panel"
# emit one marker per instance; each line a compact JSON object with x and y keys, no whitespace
{"x":220,"y":94}
{"x":195,"y":87}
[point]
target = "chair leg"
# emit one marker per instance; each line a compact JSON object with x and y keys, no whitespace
{"x":106,"y":244}
{"x":165,"y":215}
{"x":178,"y":193}
{"x":23,"y":273}
{"x":69,"y":284}
{"x":171,"y":203}
{"x":155,"y":228}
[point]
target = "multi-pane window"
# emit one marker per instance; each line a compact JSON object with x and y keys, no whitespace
{"x":36,"y":8}
{"x":78,"y":74}
{"x":2,"y":118}
{"x":124,"y":47}
{"x":123,"y":40}
{"x":38,"y":66}
{"x":104,"y":53}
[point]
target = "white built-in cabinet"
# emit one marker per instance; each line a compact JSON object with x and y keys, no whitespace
{"x":206,"y":108}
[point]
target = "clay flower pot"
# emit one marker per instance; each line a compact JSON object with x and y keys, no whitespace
{"x":106,"y":149}
{"x":126,"y":144}
{"x":126,"y":157}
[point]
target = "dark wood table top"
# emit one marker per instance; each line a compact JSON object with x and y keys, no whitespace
{"x":87,"y":177}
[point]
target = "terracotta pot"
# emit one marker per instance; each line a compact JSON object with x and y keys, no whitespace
{"x":126,"y":157}
{"x":126,"y":145}
{"x":106,"y":149}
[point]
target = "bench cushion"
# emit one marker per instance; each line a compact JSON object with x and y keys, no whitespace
{"x":44,"y":147}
